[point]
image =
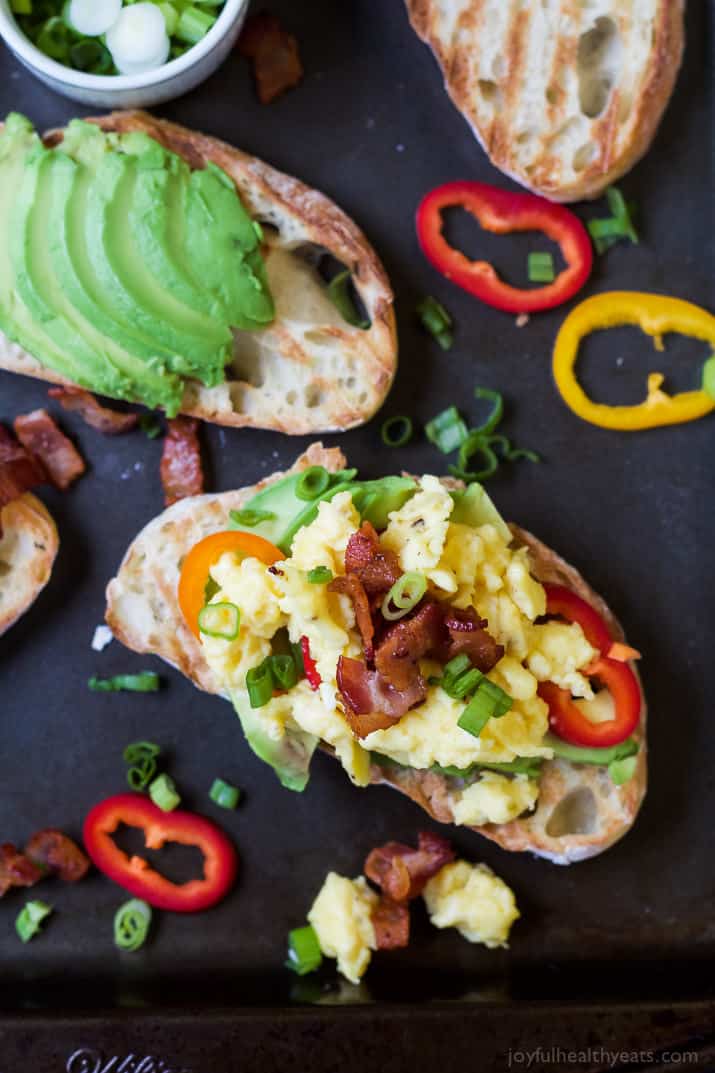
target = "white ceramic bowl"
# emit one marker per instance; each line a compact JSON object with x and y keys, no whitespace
{"x":130,"y":91}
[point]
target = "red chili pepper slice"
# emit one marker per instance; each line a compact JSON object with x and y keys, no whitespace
{"x":137,"y":876}
{"x":502,"y":212}
{"x":565,"y":718}
{"x":311,"y":671}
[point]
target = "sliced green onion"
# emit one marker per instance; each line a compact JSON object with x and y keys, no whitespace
{"x":313,"y":482}
{"x":249,"y":518}
{"x":163,"y":793}
{"x":220,"y":620}
{"x":146,"y":682}
{"x":622,"y":771}
{"x":297,"y":650}
{"x":497,"y":411}
{"x":447,"y":430}
{"x":259,"y":683}
{"x":456,"y":666}
{"x":304,"y":953}
{"x":131,"y":924}
{"x":284,"y":671}
{"x":224,"y":794}
{"x":709,"y":377}
{"x":141,"y":755}
{"x":54,"y":39}
{"x":405,"y":594}
{"x":193,"y":25}
{"x":607,"y":232}
{"x":90,"y":55}
{"x":488,"y":702}
{"x":340,"y":296}
{"x":541,"y":268}
{"x":465,"y":684}
{"x":396,"y":431}
{"x":29,"y":919}
{"x":320,"y":575}
{"x":149,"y":423}
{"x":171,"y":18}
{"x":436,"y":320}
{"x":475,"y":444}
{"x":138,"y":750}
{"x":502,"y":701}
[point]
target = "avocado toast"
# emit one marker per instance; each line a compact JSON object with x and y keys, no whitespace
{"x":517,"y":784}
{"x":148,"y":262}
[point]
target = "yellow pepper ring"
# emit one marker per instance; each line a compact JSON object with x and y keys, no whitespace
{"x":655,"y":314}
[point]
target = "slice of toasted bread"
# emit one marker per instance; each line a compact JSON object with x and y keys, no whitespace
{"x":580,"y":811}
{"x":564,"y":97}
{"x":28,"y":547}
{"x":309,"y":370}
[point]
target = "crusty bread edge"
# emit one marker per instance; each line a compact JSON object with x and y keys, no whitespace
{"x":30,"y":513}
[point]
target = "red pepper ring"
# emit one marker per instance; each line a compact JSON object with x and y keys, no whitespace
{"x":137,"y":876}
{"x":501,"y":212}
{"x":566,"y":604}
{"x":568,"y":721}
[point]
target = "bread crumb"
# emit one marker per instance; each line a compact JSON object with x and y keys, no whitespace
{"x":522,"y":320}
{"x":103,"y":636}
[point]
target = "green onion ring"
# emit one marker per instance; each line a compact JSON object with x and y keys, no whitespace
{"x":405,"y":594}
{"x":314,"y":482}
{"x":497,"y":411}
{"x":399,"y":438}
{"x":131,"y":924}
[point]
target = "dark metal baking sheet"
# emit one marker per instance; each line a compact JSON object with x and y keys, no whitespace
{"x":372,"y":127}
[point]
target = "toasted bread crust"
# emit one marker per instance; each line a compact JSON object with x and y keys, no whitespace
{"x":28,"y":548}
{"x":309,"y":371}
{"x":540,"y":60}
{"x":143,"y":613}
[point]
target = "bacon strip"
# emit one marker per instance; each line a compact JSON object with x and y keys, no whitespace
{"x":407,"y":641}
{"x":53,"y":851}
{"x":16,"y":870}
{"x":77,"y":400}
{"x":38,"y":434}
{"x":276,"y":61}
{"x":401,"y":872}
{"x":19,"y":471}
{"x":370,"y":702}
{"x":376,"y":568}
{"x":351,"y":586}
{"x":467,"y":634}
{"x":391,"y":921}
{"x":181,"y":471}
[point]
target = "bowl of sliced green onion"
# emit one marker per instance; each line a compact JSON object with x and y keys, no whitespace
{"x":121,"y":53}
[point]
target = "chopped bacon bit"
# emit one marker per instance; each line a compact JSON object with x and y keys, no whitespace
{"x":372,"y":703}
{"x":19,"y":471}
{"x":351,"y":586}
{"x":622,"y":653}
{"x":467,"y":634}
{"x":77,"y":400}
{"x":38,"y":433}
{"x":401,"y":872}
{"x":407,"y":641}
{"x":377,"y":568}
{"x":16,"y":870}
{"x":276,"y":60}
{"x":54,"y":852}
{"x":181,"y":472}
{"x":391,"y":921}
{"x":311,"y":671}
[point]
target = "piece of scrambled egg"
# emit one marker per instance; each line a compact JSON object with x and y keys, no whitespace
{"x":341,"y":916}
{"x":470,"y":567}
{"x":472,"y":899}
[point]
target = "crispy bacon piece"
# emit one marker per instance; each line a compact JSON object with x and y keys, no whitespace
{"x":377,"y":568}
{"x":401,"y":872}
{"x":19,"y":471}
{"x":181,"y":472}
{"x":276,"y":61}
{"x":16,"y":870}
{"x":467,"y":633}
{"x":54,"y":852}
{"x":391,"y":921}
{"x":38,"y":434}
{"x":407,"y":641}
{"x":370,"y":702}
{"x":351,"y":586}
{"x":77,"y":400}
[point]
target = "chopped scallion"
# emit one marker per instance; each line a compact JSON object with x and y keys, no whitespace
{"x":313,"y":482}
{"x":489,"y":701}
{"x":606,"y":232}
{"x":405,"y":594}
{"x":456,"y":666}
{"x":141,"y":755}
{"x":284,"y":671}
{"x":193,"y":25}
{"x":436,"y":320}
{"x":541,"y":268}
{"x":145,"y":682}
{"x":224,"y":794}
{"x":709,"y":377}
{"x":220,"y":620}
{"x":320,"y":575}
{"x":259,"y":683}
{"x":249,"y":518}
{"x":131,"y":924}
{"x":29,"y":919}
{"x":465,"y":684}
{"x":396,"y":431}
{"x":497,"y":411}
{"x":304,"y":953}
{"x":163,"y":793}
{"x":447,"y":430}
{"x":339,"y":292}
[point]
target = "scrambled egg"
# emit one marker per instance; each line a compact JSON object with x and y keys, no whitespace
{"x":470,"y":567}
{"x":342,"y":918}
{"x":472,"y":899}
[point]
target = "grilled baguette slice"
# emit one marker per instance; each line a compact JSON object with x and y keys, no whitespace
{"x":580,"y":812}
{"x":564,"y":96}
{"x":309,"y":370}
{"x":28,"y":547}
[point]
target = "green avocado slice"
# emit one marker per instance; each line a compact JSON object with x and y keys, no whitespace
{"x":290,"y":757}
{"x":581,"y":754}
{"x":472,"y":506}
